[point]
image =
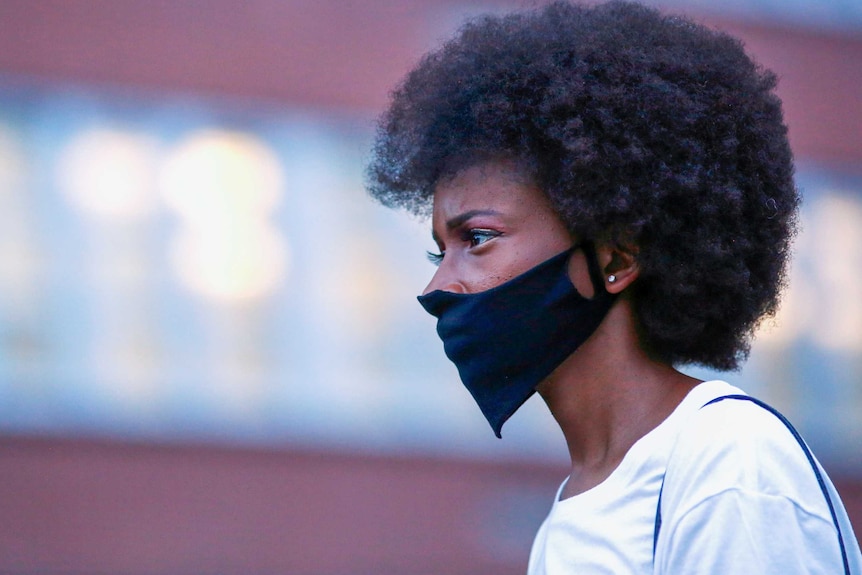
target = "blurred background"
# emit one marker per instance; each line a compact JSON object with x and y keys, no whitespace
{"x":211,"y":358}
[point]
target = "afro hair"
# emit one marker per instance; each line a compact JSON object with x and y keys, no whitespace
{"x":644,"y":130}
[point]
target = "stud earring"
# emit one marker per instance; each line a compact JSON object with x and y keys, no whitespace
{"x":612,"y":278}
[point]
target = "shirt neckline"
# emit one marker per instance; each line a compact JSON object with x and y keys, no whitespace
{"x":650,"y":443}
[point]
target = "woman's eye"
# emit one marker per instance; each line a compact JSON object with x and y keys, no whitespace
{"x":476,"y":237}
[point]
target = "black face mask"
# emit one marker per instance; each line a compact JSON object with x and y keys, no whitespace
{"x":506,"y":340}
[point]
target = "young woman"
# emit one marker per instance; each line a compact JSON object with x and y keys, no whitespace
{"x":612,"y":194}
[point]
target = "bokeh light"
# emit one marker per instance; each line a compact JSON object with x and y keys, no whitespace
{"x":224,"y":187}
{"x":109,"y":173}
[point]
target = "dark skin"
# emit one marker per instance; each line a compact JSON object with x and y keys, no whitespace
{"x":492,"y":224}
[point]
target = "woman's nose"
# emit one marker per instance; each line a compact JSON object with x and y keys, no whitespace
{"x":443,"y":280}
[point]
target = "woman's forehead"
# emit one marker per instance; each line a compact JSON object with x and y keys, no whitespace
{"x":497,"y":182}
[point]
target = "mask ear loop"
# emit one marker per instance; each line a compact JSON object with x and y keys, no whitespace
{"x":594,"y":268}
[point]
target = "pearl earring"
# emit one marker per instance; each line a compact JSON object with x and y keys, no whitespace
{"x":612,"y":278}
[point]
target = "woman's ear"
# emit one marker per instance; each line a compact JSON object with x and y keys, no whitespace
{"x":619,"y":266}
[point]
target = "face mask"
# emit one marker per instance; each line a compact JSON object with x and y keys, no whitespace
{"x":506,"y":340}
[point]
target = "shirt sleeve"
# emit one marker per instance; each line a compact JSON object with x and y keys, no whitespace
{"x":739,"y":531}
{"x":740,"y":497}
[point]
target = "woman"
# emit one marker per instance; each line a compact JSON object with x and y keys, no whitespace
{"x":612,"y":196}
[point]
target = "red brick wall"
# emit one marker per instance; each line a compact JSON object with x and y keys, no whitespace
{"x":115,"y":508}
{"x":350,"y":54}
{"x":91,"y":507}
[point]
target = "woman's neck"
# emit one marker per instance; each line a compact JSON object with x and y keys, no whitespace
{"x":607,"y":395}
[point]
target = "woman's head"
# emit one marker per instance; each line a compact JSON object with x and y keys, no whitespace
{"x":644,"y":131}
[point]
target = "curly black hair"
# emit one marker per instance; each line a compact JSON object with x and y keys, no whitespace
{"x":643,"y":129}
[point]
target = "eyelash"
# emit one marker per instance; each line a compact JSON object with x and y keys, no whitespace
{"x":468,"y":236}
{"x":434,"y":258}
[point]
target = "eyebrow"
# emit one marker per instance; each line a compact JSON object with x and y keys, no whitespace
{"x":460,"y":219}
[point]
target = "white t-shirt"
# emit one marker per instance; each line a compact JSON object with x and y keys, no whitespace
{"x":739,"y":497}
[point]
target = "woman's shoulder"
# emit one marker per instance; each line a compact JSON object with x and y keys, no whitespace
{"x":739,"y":478}
{"x":739,"y":444}
{"x":734,"y":425}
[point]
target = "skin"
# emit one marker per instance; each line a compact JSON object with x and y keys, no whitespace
{"x":491,"y":224}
